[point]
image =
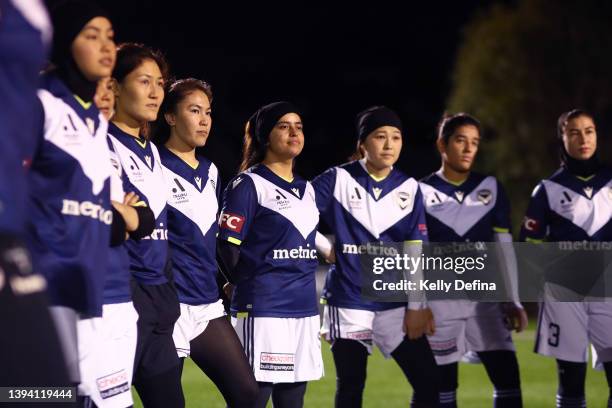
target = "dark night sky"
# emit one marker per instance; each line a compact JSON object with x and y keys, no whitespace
{"x":330,"y":61}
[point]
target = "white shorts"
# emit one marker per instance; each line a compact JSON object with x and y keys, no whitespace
{"x":192,"y":322}
{"x":281,"y":350}
{"x":384,"y":328}
{"x":467,"y":326}
{"x":565,"y":330}
{"x":107,"y":346}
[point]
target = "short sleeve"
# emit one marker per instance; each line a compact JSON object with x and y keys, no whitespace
{"x":238,"y":209}
{"x":417,"y":230}
{"x":324,"y":185}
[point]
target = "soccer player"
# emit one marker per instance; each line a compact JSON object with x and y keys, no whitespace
{"x":70,"y":212}
{"x":267,"y":243}
{"x":464,"y":206}
{"x":574,"y":204}
{"x":109,"y":342}
{"x":364,"y":201}
{"x":138,"y":84}
{"x":193,"y":185}
{"x":25,"y":37}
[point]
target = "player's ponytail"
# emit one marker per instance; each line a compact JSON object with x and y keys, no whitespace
{"x":253,"y":151}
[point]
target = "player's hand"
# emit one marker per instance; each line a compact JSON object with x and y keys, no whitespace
{"x":331,"y":258}
{"x":515,"y":317}
{"x":418,"y":322}
{"x":228,"y":289}
{"x":131,"y":199}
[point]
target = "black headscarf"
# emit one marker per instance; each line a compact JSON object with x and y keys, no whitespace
{"x":265,"y":118}
{"x":582,"y":168}
{"x":69,"y":17}
{"x":375,"y":117}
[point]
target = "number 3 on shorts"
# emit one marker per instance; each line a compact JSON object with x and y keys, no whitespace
{"x":553,"y":339}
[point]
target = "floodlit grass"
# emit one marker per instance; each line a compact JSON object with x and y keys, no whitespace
{"x":386,"y":385}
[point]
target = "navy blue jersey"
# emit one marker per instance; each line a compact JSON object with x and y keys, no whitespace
{"x":117,"y":284}
{"x":361,"y":210}
{"x":25,"y":33}
{"x":143,"y":175}
{"x":274,"y":222}
{"x":193,"y":207}
{"x":565,"y":207}
{"x":472,"y":211}
{"x":69,"y":200}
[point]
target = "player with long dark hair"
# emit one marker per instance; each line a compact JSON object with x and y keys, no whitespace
{"x":267,"y":243}
{"x":203,"y":331}
{"x":138,"y":84}
{"x":574,"y":204}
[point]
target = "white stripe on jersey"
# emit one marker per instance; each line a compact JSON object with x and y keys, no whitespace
{"x":375,"y":216}
{"x":199,"y":207}
{"x":590,"y":215}
{"x":35,"y":12}
{"x":65,"y":129}
{"x":462,"y":215}
{"x":148,"y":182}
{"x":301,"y":213}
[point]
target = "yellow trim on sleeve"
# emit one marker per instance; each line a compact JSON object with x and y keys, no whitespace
{"x":242,"y":315}
{"x":414,"y":241}
{"x":140,"y":204}
{"x":501,"y":230}
{"x":534,"y":240}
{"x":323,"y":301}
{"x":234,"y":240}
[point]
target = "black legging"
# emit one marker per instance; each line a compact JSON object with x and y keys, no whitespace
{"x":219,"y":354}
{"x":284,"y":395}
{"x":414,"y":358}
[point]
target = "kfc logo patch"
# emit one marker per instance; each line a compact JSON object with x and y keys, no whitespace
{"x":531,"y":225}
{"x":232,"y":222}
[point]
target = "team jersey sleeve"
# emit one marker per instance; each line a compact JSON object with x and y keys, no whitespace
{"x":501,"y":212}
{"x":238,"y":209}
{"x":417,"y":229}
{"x":324,"y":185}
{"x":535,"y":224}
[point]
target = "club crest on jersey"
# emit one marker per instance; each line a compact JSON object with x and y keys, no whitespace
{"x":588,"y":191}
{"x":296,"y":191}
{"x":149,"y":162}
{"x":459,"y":196}
{"x":236,"y":182}
{"x":376,"y":192}
{"x":198,"y":181}
{"x":434,"y":201}
{"x":213,"y":183}
{"x":403,"y":199}
{"x":484,"y":196}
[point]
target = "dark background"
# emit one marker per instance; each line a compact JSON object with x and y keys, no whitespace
{"x":332,"y":61}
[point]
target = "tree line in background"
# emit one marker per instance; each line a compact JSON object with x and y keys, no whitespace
{"x":519,"y":67}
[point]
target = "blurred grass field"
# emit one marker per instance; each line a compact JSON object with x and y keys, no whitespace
{"x":387,"y":386}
